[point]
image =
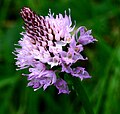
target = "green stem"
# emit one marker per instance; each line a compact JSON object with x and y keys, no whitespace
{"x":82,"y":95}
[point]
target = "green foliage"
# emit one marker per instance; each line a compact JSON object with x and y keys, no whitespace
{"x":103,"y":89}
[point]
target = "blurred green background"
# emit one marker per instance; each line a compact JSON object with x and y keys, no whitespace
{"x":103,"y":89}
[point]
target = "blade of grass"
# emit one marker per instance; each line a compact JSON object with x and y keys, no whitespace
{"x":8,"y":81}
{"x":104,"y":85}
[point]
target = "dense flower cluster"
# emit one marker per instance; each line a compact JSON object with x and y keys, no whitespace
{"x":47,"y":45}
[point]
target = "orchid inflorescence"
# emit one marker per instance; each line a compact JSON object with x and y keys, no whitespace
{"x":50,"y":45}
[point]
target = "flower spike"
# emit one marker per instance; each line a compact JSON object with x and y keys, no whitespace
{"x":49,"y":47}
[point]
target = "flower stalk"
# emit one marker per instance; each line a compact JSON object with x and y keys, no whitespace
{"x":82,"y":95}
